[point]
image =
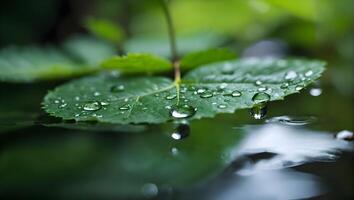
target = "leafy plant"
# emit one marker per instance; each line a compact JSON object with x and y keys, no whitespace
{"x":217,"y":83}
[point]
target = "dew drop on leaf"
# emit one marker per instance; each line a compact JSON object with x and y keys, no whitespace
{"x":117,"y":88}
{"x":182,"y":111}
{"x":260,"y":98}
{"x":262,"y":89}
{"x":201,"y":90}
{"x":290,"y":75}
{"x":284,"y":86}
{"x":299,"y":87}
{"x":206,"y":94}
{"x":125,"y":107}
{"x":222,"y":106}
{"x":258,"y":82}
{"x":309,"y":73}
{"x":170,"y":96}
{"x":315,"y":92}
{"x":92,"y":106}
{"x":236,"y":93}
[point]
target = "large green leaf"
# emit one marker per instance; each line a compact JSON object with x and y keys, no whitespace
{"x":215,"y":88}
{"x":137,"y":63}
{"x":79,"y":56}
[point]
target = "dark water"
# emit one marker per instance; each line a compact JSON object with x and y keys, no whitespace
{"x":291,"y":154}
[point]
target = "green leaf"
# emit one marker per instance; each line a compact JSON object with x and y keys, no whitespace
{"x":216,"y":88}
{"x":79,"y":56}
{"x":105,"y":29}
{"x":137,"y":63}
{"x":160,"y":45}
{"x":195,"y":59}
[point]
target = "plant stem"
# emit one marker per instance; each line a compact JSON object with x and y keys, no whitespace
{"x":172,"y":38}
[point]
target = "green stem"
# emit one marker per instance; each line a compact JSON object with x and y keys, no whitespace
{"x":172,"y":38}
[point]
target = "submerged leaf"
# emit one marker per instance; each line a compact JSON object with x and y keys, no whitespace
{"x":137,"y":63}
{"x":216,"y":88}
{"x":81,"y":56}
{"x":195,"y":59}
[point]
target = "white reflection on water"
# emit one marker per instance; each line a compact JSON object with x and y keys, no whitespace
{"x":291,"y":146}
{"x":261,"y":164}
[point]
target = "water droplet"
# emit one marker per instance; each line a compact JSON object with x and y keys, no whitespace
{"x":182,"y":111}
{"x":259,"y":111}
{"x":290,"y":75}
{"x":77,"y":98}
{"x":236,"y":93}
{"x":345,"y":135}
{"x":206,"y":94}
{"x":117,"y":88}
{"x":56,"y":101}
{"x":182,"y":131}
{"x":62,"y":105}
{"x":191,"y":88}
{"x":92,"y":106}
{"x":284,"y":86}
{"x":315,"y":92}
{"x":96,"y":94}
{"x":103,"y":103}
{"x":170,"y":96}
{"x":183,"y":90}
{"x":262,"y":89}
{"x":222,"y":106}
{"x":258,"y":82}
{"x":309,"y":73}
{"x":260,"y":98}
{"x":299,"y":87}
{"x":223,"y":85}
{"x":201,"y":90}
{"x":157,"y":95}
{"x":125,"y":107}
{"x":149,"y":190}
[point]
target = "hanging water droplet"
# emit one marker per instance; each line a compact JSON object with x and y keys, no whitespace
{"x":284,"y":86}
{"x":206,"y":94}
{"x":182,"y":131}
{"x":259,"y":111}
{"x":125,"y":107}
{"x":290,"y":75}
{"x":236,"y":93}
{"x":262,"y":89}
{"x":261,"y":97}
{"x":182,"y":111}
{"x":170,"y":96}
{"x":117,"y":88}
{"x":92,"y":106}
{"x":345,"y":135}
{"x":222,"y":106}
{"x":309,"y":73}
{"x":315,"y":92}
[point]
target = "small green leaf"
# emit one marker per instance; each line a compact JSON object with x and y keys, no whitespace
{"x":79,"y":56}
{"x":137,"y":63}
{"x":105,"y":29}
{"x":216,"y":88}
{"x":195,"y":59}
{"x":160,"y":45}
